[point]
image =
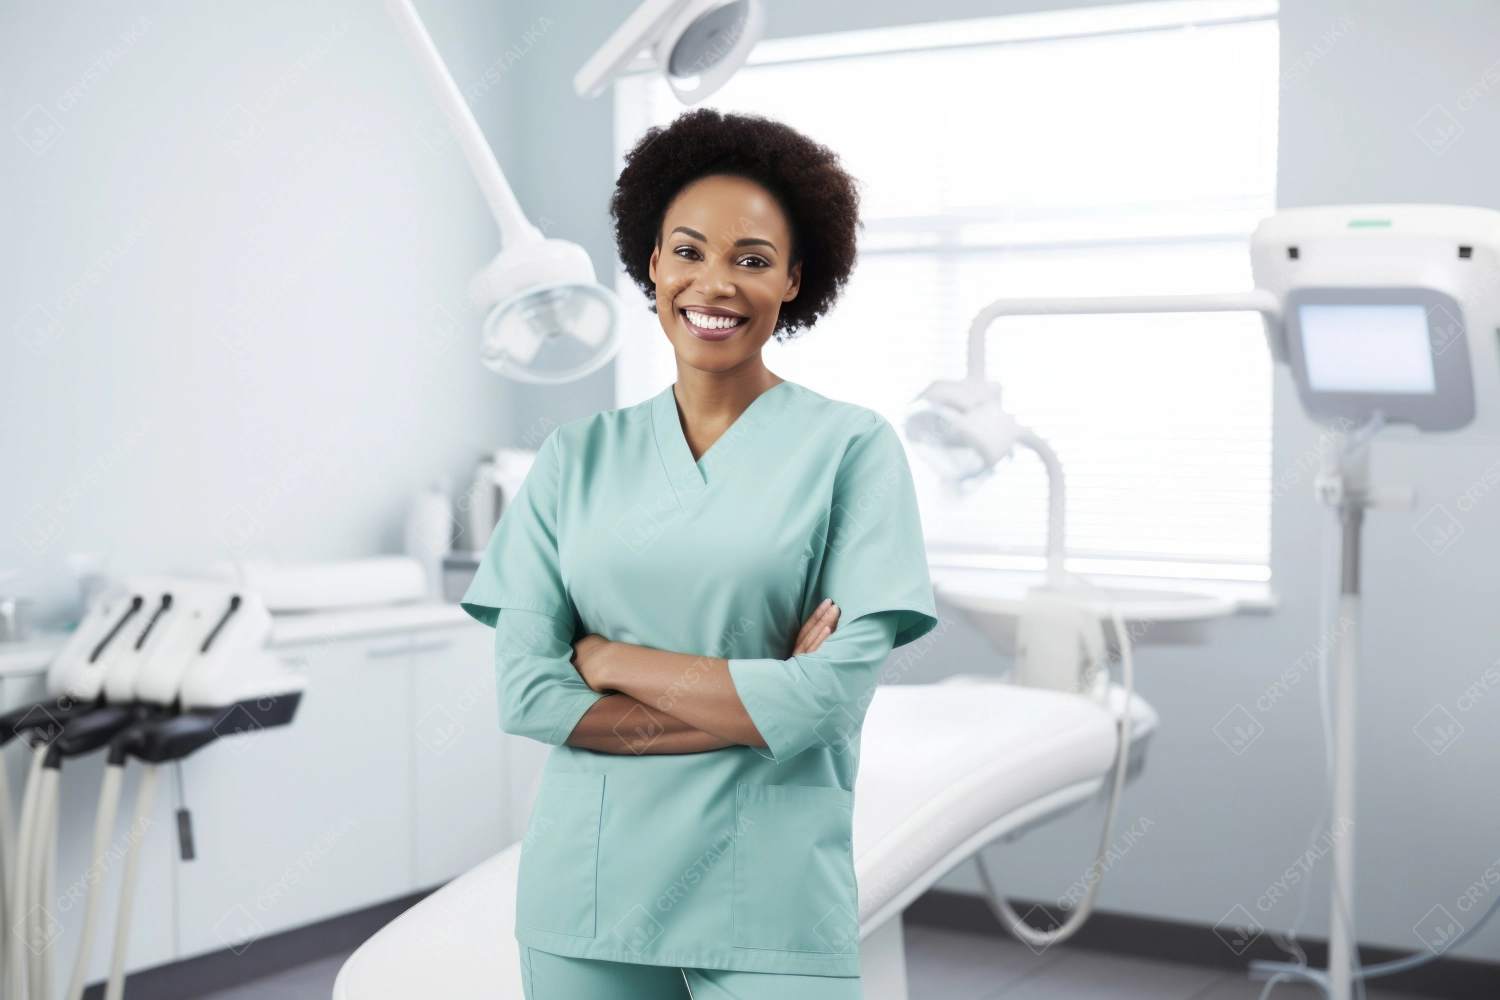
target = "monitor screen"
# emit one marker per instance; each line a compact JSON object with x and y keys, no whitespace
{"x":1367,"y":348}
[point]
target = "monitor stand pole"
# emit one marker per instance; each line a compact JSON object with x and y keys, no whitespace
{"x":1344,"y":484}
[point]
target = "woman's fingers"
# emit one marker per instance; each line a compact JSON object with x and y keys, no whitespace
{"x":813,"y":624}
{"x":810,"y":628}
{"x":825,"y":631}
{"x":804,"y":633}
{"x":819,"y":625}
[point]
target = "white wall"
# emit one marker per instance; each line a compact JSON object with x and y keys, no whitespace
{"x":1224,"y":828}
{"x":246,"y":352}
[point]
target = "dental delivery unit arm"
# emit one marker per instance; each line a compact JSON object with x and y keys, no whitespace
{"x":154,"y":672}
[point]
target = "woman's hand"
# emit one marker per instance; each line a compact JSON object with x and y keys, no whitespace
{"x":589,"y":658}
{"x":819,"y":626}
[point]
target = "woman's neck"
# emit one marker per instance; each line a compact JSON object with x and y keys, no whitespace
{"x":710,"y":402}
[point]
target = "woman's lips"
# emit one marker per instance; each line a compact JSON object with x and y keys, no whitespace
{"x":712,"y":324}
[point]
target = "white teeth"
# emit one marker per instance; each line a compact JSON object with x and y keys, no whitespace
{"x":706,"y":322}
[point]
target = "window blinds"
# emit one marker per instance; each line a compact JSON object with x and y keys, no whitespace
{"x":1082,"y":158}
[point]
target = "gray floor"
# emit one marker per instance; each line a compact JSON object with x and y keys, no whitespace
{"x":947,"y":965}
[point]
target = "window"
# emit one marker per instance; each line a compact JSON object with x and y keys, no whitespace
{"x":1120,"y":150}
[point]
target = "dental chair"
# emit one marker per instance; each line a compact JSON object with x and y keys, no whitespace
{"x":945,"y":769}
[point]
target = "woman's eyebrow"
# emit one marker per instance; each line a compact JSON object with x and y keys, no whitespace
{"x":746,"y":242}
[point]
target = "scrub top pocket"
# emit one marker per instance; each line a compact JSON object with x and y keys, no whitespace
{"x":794,"y":886}
{"x":558,"y":875}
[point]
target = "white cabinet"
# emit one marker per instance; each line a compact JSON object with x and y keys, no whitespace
{"x":300,"y":823}
{"x":458,"y":753}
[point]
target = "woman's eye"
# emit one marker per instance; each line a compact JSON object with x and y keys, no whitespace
{"x":755,"y":260}
{"x":687,"y":253}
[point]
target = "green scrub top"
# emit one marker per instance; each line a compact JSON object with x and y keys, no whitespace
{"x":739,"y":858}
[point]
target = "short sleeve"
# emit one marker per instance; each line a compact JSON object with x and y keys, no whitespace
{"x":520,"y":567}
{"x":875,"y":557}
{"x":541,"y":694}
{"x":816,"y":699}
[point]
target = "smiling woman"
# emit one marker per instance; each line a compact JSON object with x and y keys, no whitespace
{"x":692,"y":600}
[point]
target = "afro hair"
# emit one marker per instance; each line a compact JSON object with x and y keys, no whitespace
{"x":819,"y":198}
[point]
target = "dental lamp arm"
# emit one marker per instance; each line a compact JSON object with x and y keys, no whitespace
{"x":515,"y":228}
{"x":1056,"y":574}
{"x":621,"y":48}
{"x":1257,"y":300}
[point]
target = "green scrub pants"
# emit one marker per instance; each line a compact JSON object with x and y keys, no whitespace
{"x":545,"y":976}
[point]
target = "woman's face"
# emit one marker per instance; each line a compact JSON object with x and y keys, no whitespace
{"x":721,"y":271}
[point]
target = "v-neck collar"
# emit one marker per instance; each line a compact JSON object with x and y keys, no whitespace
{"x":687,"y":477}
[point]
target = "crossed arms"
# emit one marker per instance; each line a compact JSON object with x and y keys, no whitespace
{"x":707,"y":712}
{"x":616,"y":697}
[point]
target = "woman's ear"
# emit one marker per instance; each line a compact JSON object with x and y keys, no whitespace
{"x":793,"y":280}
{"x":651,"y":268}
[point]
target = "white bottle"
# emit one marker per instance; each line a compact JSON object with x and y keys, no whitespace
{"x":429,"y":534}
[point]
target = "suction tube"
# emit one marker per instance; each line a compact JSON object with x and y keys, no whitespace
{"x":1001,"y":907}
{"x":7,"y":872}
{"x":115,"y":990}
{"x":43,"y":857}
{"x":18,"y":904}
{"x":109,"y":805}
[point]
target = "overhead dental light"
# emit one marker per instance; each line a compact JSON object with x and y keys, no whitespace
{"x":549,"y":318}
{"x":961,"y":429}
{"x":697,"y":45}
{"x":1383,"y":315}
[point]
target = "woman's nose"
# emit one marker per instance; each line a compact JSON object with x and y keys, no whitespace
{"x":716,"y":277}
